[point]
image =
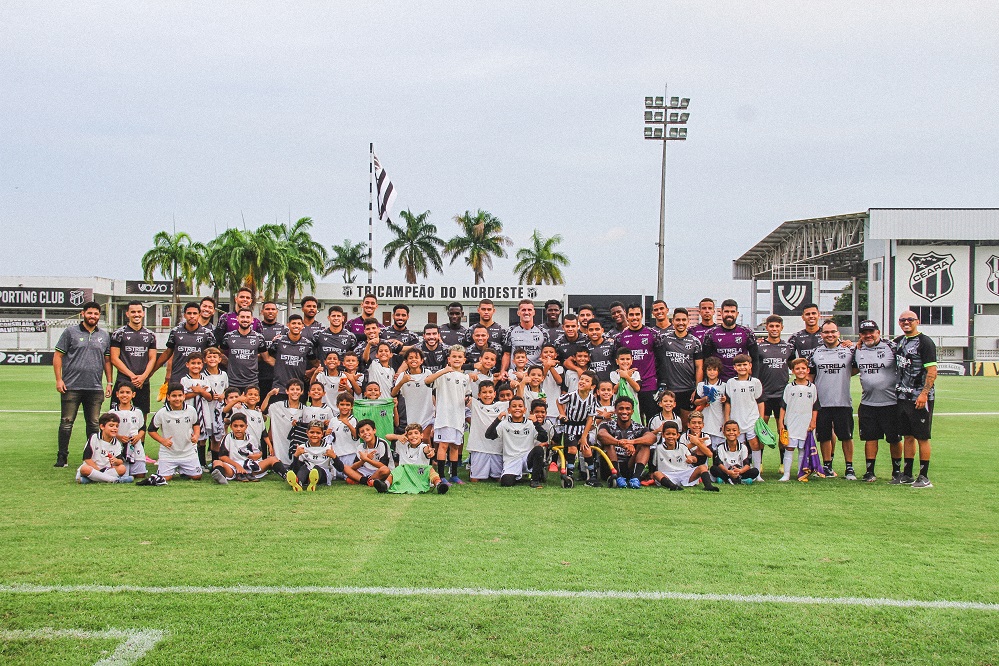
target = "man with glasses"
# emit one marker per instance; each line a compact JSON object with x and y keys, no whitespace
{"x":916,"y":357}
{"x":874,"y":361}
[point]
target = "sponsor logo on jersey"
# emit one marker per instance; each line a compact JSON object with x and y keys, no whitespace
{"x":931,"y":277}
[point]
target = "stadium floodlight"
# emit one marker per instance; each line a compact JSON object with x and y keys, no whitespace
{"x":660,"y":133}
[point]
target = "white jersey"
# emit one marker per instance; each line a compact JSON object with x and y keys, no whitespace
{"x":450,"y":390}
{"x":615,"y":378}
{"x":331,"y":385}
{"x":418,"y":398}
{"x":176,"y":425}
{"x":552,"y":388}
{"x":281,"y":417}
{"x":799,"y":401}
{"x":323,"y":413}
{"x":384,"y":377}
{"x":130,"y":422}
{"x":240,"y":450}
{"x":255,"y":422}
{"x":377,"y":452}
{"x":344,"y":443}
{"x":733,"y":459}
{"x":672,"y":460}
{"x":517,"y":439}
{"x":102,"y":452}
{"x":714,"y":412}
{"x":479,"y":378}
{"x":658,"y":421}
{"x":315,"y":456}
{"x":411,"y":455}
{"x":482,"y":416}
{"x":743,"y":398}
{"x":570,"y":380}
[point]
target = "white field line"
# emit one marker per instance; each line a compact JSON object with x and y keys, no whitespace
{"x":135,"y":643}
{"x":56,"y":411}
{"x":506,"y":592}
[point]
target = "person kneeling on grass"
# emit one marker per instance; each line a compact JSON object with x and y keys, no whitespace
{"x":414,"y":473}
{"x":733,"y":458}
{"x":523,"y":439}
{"x":676,"y":467}
{"x":371,"y":465}
{"x":314,"y":461}
{"x":175,"y":428}
{"x":102,"y":458}
{"x":240,"y":458}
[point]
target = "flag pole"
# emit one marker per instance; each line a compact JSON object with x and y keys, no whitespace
{"x":371,"y":204}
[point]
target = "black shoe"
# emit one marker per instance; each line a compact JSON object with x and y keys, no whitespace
{"x":443,"y":487}
{"x":61,"y":463}
{"x":380,"y":485}
{"x":593,"y":482}
{"x":712,"y":489}
{"x":905,"y":479}
{"x":537,"y":484}
{"x":869,"y":478}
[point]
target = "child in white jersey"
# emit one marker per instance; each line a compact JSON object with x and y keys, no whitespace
{"x":314,"y":461}
{"x":709,"y":399}
{"x":102,"y":457}
{"x":330,"y":377}
{"x":131,"y":431}
{"x":798,"y":413}
{"x":733,"y":462}
{"x":240,"y":458}
{"x":452,"y":388}
{"x":417,"y":397}
{"x":485,"y":456}
{"x":745,"y":405}
{"x":176,"y":429}
{"x":676,"y":466}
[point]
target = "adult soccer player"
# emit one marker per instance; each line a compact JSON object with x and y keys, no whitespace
{"x":243,"y":347}
{"x":369,"y":304}
{"x":552,"y":325}
{"x":680,"y":363}
{"x":706,"y":311}
{"x":660,"y":312}
{"x":807,"y":339}
{"x":916,"y":356}
{"x":585,"y":313}
{"x":774,"y":368}
{"x":831,"y":365}
{"x":618,"y":315}
{"x":335,"y":338}
{"x":206,"y":313}
{"x":398,"y":336}
{"x":642,"y":341}
{"x":874,"y":361}
{"x":310,"y":325}
{"x":133,"y":352}
{"x":570,"y":339}
{"x":626,"y":443}
{"x":270,"y":328}
{"x":486,"y":311}
{"x":184,"y":340}
{"x":730,"y":339}
{"x":602,"y":350}
{"x":480,"y":342}
{"x":454,"y":332}
{"x":524,"y":335}
{"x":434,"y":351}
{"x":230,"y":320}
{"x":289,"y":354}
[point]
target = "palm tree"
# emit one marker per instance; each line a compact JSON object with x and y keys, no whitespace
{"x":481,"y":239}
{"x":418,"y":246}
{"x":176,"y":257}
{"x":540,"y":263}
{"x":302,"y":257}
{"x":349,"y":257}
{"x":223,"y":263}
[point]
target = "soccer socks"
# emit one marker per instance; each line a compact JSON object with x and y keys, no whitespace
{"x":908,"y":466}
{"x":924,"y":468}
{"x":788,"y":462}
{"x":338,"y":465}
{"x":442,"y":468}
{"x":201,"y":455}
{"x":896,"y":466}
{"x":666,"y":483}
{"x":757,"y":457}
{"x":454,"y":468}
{"x":279,"y":468}
{"x":637,"y":470}
{"x":570,"y":460}
{"x":103,"y":477}
{"x":708,"y":485}
{"x":870,"y":465}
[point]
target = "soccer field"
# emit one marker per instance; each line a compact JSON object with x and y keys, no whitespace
{"x":830,"y":571}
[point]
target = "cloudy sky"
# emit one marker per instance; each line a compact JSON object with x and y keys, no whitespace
{"x":119,"y":118}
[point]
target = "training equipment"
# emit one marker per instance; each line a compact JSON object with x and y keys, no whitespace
{"x":764,"y":434}
{"x":560,"y":467}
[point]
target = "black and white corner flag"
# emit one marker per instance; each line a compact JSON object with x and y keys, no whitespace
{"x":386,"y":192}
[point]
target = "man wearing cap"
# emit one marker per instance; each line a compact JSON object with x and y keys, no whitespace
{"x":916,"y":357}
{"x":874,"y":361}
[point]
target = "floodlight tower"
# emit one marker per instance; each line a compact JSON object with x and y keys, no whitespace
{"x":665,"y":122}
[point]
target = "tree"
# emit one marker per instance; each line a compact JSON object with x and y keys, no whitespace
{"x":417,"y":245}
{"x":541,"y":263}
{"x":176,"y":257}
{"x":223,"y":264}
{"x":844,"y":302}
{"x":349,"y":257}
{"x":302,"y":257}
{"x":480,"y":240}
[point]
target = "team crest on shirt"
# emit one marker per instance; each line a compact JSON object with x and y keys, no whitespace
{"x":992,"y":282}
{"x":931,"y":277}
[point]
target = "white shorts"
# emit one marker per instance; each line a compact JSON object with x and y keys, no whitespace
{"x":682,"y":477}
{"x":516,"y":465}
{"x":187,"y":467}
{"x":446,"y":435}
{"x":485,"y":465}
{"x":716,"y":441}
{"x":347,"y":459}
{"x":136,"y":467}
{"x":793,"y":443}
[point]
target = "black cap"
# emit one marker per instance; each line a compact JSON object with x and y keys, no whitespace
{"x":869,"y":325}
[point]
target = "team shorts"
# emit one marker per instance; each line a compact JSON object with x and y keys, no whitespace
{"x":793,"y":443}
{"x":188,"y":467}
{"x":834,"y":419}
{"x":446,"y":435}
{"x":684,"y":401}
{"x":483,"y":466}
{"x":914,"y":422}
{"x":347,"y":459}
{"x":516,"y":465}
{"x":772,"y":407}
{"x":716,"y":441}
{"x":878,"y":423}
{"x":682,"y":477}
{"x":136,"y":467}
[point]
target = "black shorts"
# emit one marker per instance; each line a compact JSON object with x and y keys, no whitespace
{"x":914,"y":422}
{"x":772,"y":407}
{"x":684,"y":401}
{"x":877,"y":423}
{"x":834,"y":419}
{"x":140,"y":400}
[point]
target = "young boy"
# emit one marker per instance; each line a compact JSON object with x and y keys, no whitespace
{"x":315,"y":461}
{"x":344,"y":429}
{"x":576,"y":410}
{"x":453,"y":390}
{"x":330,"y":377}
{"x":180,"y":433}
{"x":551,"y":385}
{"x":317,"y":409}
{"x":247,"y":404}
{"x":102,"y":457}
{"x":503,"y":392}
{"x":523,"y":442}
{"x":666,"y":415}
{"x":414,"y":473}
{"x":733,"y":458}
{"x":605,"y":406}
{"x":581,"y":360}
{"x":240,"y":458}
{"x":417,"y":396}
{"x":627,"y":380}
{"x":531,"y":388}
{"x":217,"y":380}
{"x":798,"y":413}
{"x":353,"y":378}
{"x":371,"y":467}
{"x":381,"y":371}
{"x":745,"y":404}
{"x":198,"y":394}
{"x":695,"y":440}
{"x":483,"y":370}
{"x":517,"y":373}
{"x":131,"y":431}
{"x":676,"y":466}
{"x":485,"y":456}
{"x":285,"y":438}
{"x":710,"y":400}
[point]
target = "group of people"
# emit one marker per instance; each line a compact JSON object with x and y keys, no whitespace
{"x":677,"y":403}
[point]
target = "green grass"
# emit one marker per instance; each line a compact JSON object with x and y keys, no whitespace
{"x":826,"y":538}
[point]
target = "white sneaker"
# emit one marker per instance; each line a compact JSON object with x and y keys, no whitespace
{"x":784,"y":478}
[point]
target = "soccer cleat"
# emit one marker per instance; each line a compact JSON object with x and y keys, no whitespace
{"x":537,"y":484}
{"x":621,"y":483}
{"x":219,"y":476}
{"x":379,"y":485}
{"x":313,"y":479}
{"x":125,"y":479}
{"x":905,"y":479}
{"x":293,"y":481}
{"x":760,"y":478}
{"x":922,"y":482}
{"x":455,"y":481}
{"x":61,"y":463}
{"x":443,"y":487}
{"x":896,"y":479}
{"x":634,"y":483}
{"x":649,"y":482}
{"x":85,"y":479}
{"x":850,"y":474}
{"x":829,"y":472}
{"x":150,"y":461}
{"x":869,"y":478}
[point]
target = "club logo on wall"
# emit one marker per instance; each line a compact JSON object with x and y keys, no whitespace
{"x":789,"y":296}
{"x":931,"y":277}
{"x":77,"y":297}
{"x":992,"y":282}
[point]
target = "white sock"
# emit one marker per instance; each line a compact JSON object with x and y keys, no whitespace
{"x":788,"y":461}
{"x":103,"y":477}
{"x":757,"y":457}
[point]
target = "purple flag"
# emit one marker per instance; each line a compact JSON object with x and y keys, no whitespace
{"x":809,"y":460}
